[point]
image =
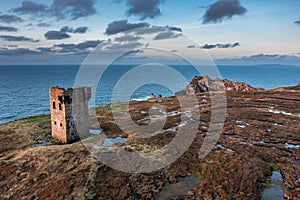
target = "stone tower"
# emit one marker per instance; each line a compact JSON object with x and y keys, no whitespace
{"x":69,"y":113}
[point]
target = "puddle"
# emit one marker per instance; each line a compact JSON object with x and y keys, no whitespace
{"x":291,"y":146}
{"x":177,"y":189}
{"x":280,"y":112}
{"x":246,"y":143}
{"x":95,"y":131}
{"x":42,"y":143}
{"x":275,"y":190}
{"x":226,"y":149}
{"x":242,"y":126}
{"x":111,"y":141}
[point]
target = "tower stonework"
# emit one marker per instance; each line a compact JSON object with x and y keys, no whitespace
{"x":69,"y":113}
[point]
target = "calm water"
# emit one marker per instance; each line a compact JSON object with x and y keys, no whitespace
{"x":25,"y":89}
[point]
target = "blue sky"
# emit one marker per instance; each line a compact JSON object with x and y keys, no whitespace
{"x":230,"y":31}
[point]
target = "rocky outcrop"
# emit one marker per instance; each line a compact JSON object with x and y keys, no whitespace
{"x":201,"y":84}
{"x":260,"y":135}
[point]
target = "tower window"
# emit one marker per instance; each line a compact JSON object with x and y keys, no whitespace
{"x":60,"y":98}
{"x":54,"y":106}
{"x":59,"y":105}
{"x":60,"y":124}
{"x":54,"y":123}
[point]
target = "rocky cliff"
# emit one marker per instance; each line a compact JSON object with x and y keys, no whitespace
{"x":201,"y":84}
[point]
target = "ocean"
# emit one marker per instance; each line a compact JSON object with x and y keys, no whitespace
{"x":25,"y":89}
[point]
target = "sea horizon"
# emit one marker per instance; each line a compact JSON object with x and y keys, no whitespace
{"x":32,"y":98}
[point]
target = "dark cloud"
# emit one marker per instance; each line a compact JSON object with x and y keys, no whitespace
{"x":67,"y":29}
{"x":123,"y":25}
{"x":220,"y":46}
{"x":166,"y":35}
{"x":81,"y":30}
{"x":223,"y":9}
{"x":73,"y":48}
{"x":61,"y":9}
{"x":127,"y":38}
{"x":268,"y":56}
{"x":133,"y":52}
{"x":5,"y":18}
{"x":17,"y":38}
{"x":173,"y":28}
{"x":144,"y":9}
{"x":8,"y":28}
{"x":88,"y":44}
{"x":137,"y":28}
{"x":57,"y":51}
{"x":12,"y":45}
{"x":72,"y":9}
{"x":42,"y":24}
{"x":29,"y":7}
{"x":56,"y":35}
{"x":191,"y":46}
{"x":297,"y":22}
{"x":19,"y":51}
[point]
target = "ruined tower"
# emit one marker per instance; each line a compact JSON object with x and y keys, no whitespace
{"x":69,"y":113}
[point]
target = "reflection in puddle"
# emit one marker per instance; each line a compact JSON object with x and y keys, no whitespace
{"x":180,"y":188}
{"x":42,"y":143}
{"x":111,"y":141}
{"x":95,"y":131}
{"x":226,"y":149}
{"x":274,"y":191}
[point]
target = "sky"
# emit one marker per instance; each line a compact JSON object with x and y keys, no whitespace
{"x":231,"y":32}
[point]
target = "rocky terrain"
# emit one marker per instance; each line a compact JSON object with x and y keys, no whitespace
{"x":201,"y":84}
{"x":261,"y":135}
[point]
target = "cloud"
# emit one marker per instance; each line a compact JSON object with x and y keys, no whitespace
{"x":191,"y":46}
{"x":297,"y":22}
{"x":29,"y":7}
{"x":17,"y":38}
{"x":133,"y":52}
{"x":43,"y":24}
{"x":60,"y":9}
{"x":123,"y":46}
{"x":88,"y":44}
{"x":122,"y":26}
{"x":5,"y":18}
{"x":269,"y":56}
{"x":261,"y":59}
{"x":166,"y":35}
{"x":173,"y":28}
{"x":73,"y":9}
{"x":67,"y":29}
{"x":127,"y":38}
{"x":82,"y":47}
{"x":8,"y":28}
{"x":19,"y":51}
{"x":45,"y":49}
{"x":223,"y":9}
{"x":56,"y":35}
{"x":81,"y":30}
{"x":220,"y":46}
{"x":143,"y":8}
{"x":116,"y":27}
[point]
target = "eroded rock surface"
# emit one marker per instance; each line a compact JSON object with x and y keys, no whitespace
{"x":260,"y":135}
